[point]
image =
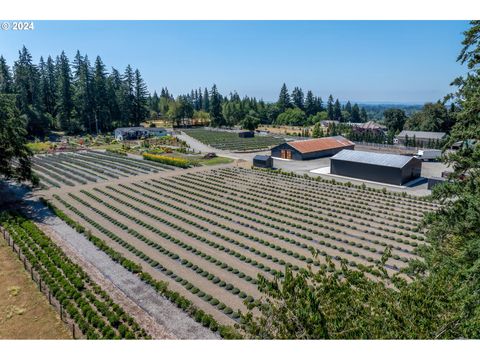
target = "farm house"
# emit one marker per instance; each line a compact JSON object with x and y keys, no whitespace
{"x":312,"y":148}
{"x":134,"y":133}
{"x":385,"y":168}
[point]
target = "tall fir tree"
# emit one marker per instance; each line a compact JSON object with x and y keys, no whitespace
{"x":115,"y":97}
{"x":155,"y":102}
{"x":298,"y":98}
{"x":284,"y":101}
{"x":128,"y":81}
{"x":6,"y":80}
{"x":355,"y":114}
{"x":101,"y":97}
{"x":363,"y":115}
{"x":64,"y":106}
{"x":206,"y":101}
{"x":83,"y":98}
{"x":310,"y":106}
{"x":330,"y":112}
{"x":26,"y":80}
{"x":48,"y":86}
{"x":337,"y":111}
{"x":216,"y":116}
{"x":140,"y":99}
{"x":348,"y":107}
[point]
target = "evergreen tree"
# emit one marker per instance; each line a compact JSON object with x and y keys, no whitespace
{"x":140,"y":99}
{"x":83,"y":97}
{"x":284,"y":102}
{"x":330,"y":112}
{"x":216,"y":116}
{"x":15,"y":156}
{"x":101,"y":97}
{"x":128,"y":97}
{"x":6,"y":81}
{"x":64,"y":106}
{"x":319,"y":104}
{"x":27,"y":88}
{"x":298,"y":98}
{"x":200,"y":100}
{"x":310,"y":105}
{"x":26,"y":80}
{"x":48,"y":86}
{"x":355,"y":114}
{"x":363,"y":115}
{"x":206,"y":101}
{"x":155,"y":102}
{"x":348,"y":107}
{"x":337,"y":111}
{"x":115,"y":98}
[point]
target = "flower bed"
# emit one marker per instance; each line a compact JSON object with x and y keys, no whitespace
{"x":179,"y":162}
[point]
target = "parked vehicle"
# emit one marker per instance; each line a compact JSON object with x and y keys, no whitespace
{"x":428,"y":154}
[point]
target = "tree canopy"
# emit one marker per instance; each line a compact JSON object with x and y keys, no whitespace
{"x":14,"y":154}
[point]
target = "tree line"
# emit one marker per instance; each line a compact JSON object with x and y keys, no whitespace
{"x":59,"y":95}
{"x":295,"y":109}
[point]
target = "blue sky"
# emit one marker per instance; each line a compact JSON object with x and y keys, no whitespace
{"x":363,"y":61}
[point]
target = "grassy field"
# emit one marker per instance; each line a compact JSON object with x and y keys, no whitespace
{"x":24,"y":312}
{"x":224,"y":140}
{"x":209,"y":233}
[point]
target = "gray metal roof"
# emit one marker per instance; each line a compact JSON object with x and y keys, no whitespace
{"x":422,"y":134}
{"x":365,"y":157}
{"x":262,"y":157}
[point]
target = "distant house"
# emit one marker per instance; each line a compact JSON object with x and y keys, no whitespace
{"x":369,"y":126}
{"x":138,"y":132}
{"x":312,"y":148}
{"x":384,"y":168}
{"x":420,"y":138}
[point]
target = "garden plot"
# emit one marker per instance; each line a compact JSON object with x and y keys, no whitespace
{"x":210,"y":233}
{"x":225,"y":140}
{"x":80,"y":168}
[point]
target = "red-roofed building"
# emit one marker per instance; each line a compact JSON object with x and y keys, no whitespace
{"x":312,"y":148}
